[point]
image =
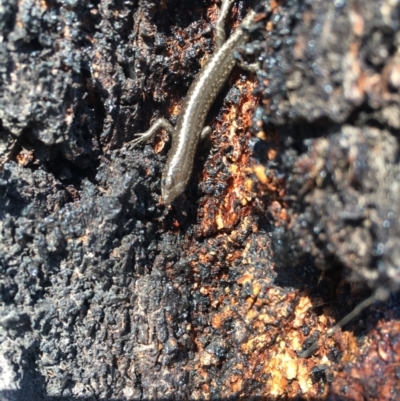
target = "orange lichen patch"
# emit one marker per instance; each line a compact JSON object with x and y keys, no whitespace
{"x":160,"y":144}
{"x":259,"y":171}
{"x":267,"y":184}
{"x":174,"y":109}
{"x":70,"y":115}
{"x":83,"y":238}
{"x":262,"y":135}
{"x":25,"y":157}
{"x":101,"y":69}
{"x":236,"y":381}
{"x":258,"y":342}
{"x":43,"y":5}
{"x":302,"y":309}
{"x":283,"y":367}
{"x":269,"y":26}
{"x":225,"y":214}
{"x":246,"y":278}
{"x":271,"y":347}
{"x":274,"y":4}
{"x":207,"y":359}
{"x":358,"y":22}
{"x":218,"y":319}
{"x":272,"y":154}
{"x":213,"y":13}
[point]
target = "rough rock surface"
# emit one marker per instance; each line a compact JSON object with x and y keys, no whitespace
{"x":106,"y":294}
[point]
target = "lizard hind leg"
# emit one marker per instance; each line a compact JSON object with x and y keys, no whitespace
{"x":250,"y":67}
{"x":161,"y":123}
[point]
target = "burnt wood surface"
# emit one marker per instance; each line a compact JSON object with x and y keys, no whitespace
{"x":291,"y":218}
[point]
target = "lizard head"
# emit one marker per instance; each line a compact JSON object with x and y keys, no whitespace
{"x":171,"y":188}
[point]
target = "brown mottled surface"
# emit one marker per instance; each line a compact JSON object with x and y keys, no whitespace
{"x":371,"y":366}
{"x":106,"y":294}
{"x":331,"y":95}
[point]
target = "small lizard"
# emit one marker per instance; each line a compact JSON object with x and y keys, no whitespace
{"x":190,"y":128}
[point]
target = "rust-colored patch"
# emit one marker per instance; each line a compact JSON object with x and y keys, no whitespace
{"x":232,"y":206}
{"x":25,"y":157}
{"x":370,"y":369}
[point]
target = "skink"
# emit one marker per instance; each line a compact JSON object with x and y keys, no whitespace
{"x":190,"y":129}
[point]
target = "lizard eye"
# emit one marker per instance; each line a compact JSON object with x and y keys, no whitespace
{"x":171,"y":188}
{"x":167,"y":182}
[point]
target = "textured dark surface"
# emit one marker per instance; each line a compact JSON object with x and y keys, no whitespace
{"x":341,"y":120}
{"x":330,"y":94}
{"x":106,"y":294}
